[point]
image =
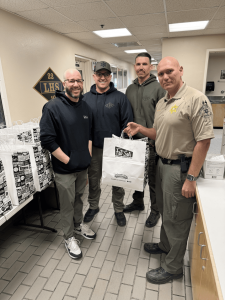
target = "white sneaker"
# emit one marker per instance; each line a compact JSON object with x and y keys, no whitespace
{"x":72,"y":248}
{"x":85,"y":231}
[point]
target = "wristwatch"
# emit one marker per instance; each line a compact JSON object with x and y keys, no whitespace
{"x":191,"y":177}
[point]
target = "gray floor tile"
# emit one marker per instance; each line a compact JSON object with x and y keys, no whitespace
{"x":70,"y":273}
{"x":33,"y":275}
{"x":177,"y":298}
{"x":15,"y":283}
{"x":75,"y":285}
{"x":105,"y":244}
{"x":142,"y":267}
{"x":118,"y":237}
{"x":44,"y":295}
{"x":91,"y":277}
{"x":100,"y":235}
{"x":45,"y":257}
{"x":49,"y":268}
{"x":53,"y":280}
{"x":136,"y":242}
{"x":13,"y":271}
{"x":27,"y":254}
{"x":85,"y":294}
{"x":59,"y":252}
{"x":114,"y":283}
{"x":111,"y":231}
{"x":187,"y":276}
{"x":99,"y":259}
{"x":9,"y":250}
{"x":133,"y":257}
{"x":106,"y":270}
{"x":3,"y":284}
{"x":125,"y":292}
{"x":11,"y":260}
{"x":36,"y":288}
{"x":2,"y":272}
{"x":5,"y":296}
{"x":120,"y":263}
{"x":28,"y":266}
{"x":112,"y":253}
{"x":125,"y":247}
{"x":20,"y":292}
{"x":139,"y":288}
{"x":153,"y":295}
{"x":85,"y":265}
{"x":129,"y":234}
{"x":129,"y":274}
{"x":109,"y":296}
{"x":64,"y":262}
{"x":188,"y":293}
{"x":93,"y":250}
{"x":99,"y":290}
{"x":165,"y":291}
{"x":104,"y":224}
{"x":178,"y":287}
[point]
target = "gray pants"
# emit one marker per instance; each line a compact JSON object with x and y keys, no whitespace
{"x":176,"y":211}
{"x":71,"y":188}
{"x":94,"y":177}
{"x":138,"y":196}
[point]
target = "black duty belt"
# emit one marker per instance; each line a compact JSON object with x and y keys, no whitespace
{"x":166,"y":161}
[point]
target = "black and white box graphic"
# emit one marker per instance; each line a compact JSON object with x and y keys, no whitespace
{"x":5,"y":201}
{"x":23,"y":175}
{"x":25,"y":136}
{"x":120,"y":152}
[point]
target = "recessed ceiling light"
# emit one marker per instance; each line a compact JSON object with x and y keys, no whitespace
{"x":136,"y":51}
{"x":113,"y":32}
{"x":188,"y":26}
{"x":154,"y":63}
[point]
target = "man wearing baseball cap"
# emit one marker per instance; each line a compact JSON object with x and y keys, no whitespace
{"x":111,"y":112}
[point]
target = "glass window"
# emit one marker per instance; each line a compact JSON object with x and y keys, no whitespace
{"x":125,"y":79}
{"x":120,"y":79}
{"x":114,"y":76}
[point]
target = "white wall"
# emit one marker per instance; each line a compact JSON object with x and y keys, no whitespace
{"x":191,"y":54}
{"x":27,"y":51}
{"x":215,"y":65}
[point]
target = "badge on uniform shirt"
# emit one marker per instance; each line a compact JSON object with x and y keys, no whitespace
{"x":205,"y":111}
{"x":173,"y":109}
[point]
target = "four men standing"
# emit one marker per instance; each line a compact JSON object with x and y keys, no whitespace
{"x":182,"y":129}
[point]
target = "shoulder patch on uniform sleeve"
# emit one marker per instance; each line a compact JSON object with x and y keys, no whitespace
{"x":204,"y":111}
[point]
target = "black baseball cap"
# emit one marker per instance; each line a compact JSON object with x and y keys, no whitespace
{"x":100,"y":65}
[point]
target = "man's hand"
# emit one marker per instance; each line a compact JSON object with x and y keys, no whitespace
{"x":132,"y":128}
{"x":188,"y":189}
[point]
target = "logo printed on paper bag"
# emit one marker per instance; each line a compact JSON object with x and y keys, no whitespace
{"x":120,"y":152}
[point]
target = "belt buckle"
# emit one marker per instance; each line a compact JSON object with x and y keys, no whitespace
{"x":169,"y":161}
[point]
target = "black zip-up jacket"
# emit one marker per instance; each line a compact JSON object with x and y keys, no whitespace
{"x":67,"y":125}
{"x":111,"y":113}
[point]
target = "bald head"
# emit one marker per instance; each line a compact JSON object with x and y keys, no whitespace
{"x":170,"y":75}
{"x":70,"y":72}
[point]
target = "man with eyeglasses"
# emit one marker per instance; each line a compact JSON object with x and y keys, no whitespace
{"x":65,"y":130}
{"x":111,"y":113}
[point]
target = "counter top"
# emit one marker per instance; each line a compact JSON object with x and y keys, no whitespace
{"x":212,"y":197}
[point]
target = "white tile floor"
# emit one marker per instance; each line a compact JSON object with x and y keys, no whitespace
{"x":35,"y":265}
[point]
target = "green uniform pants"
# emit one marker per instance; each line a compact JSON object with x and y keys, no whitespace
{"x":138,"y":196}
{"x":176,"y":211}
{"x":94,"y":177}
{"x":71,"y":188}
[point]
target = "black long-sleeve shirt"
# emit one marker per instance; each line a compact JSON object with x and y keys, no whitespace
{"x":67,"y":125}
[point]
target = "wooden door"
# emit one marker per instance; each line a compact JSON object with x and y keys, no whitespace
{"x":218,"y":114}
{"x":208,"y":289}
{"x":196,"y":262}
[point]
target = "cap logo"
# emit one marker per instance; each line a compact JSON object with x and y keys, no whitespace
{"x":103,"y":64}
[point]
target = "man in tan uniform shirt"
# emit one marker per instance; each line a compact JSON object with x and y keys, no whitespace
{"x":182,"y":131}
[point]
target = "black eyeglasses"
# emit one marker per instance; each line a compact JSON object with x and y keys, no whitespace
{"x":72,"y":81}
{"x":106,"y":75}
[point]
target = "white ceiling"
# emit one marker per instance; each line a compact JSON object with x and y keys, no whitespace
{"x":147,"y":20}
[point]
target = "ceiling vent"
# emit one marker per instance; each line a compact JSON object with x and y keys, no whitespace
{"x":129,"y":44}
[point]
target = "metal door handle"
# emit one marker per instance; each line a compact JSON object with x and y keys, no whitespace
{"x":193,"y":208}
{"x":201,"y":252}
{"x":199,"y":238}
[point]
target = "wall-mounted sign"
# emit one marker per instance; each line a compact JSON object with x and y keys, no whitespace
{"x":48,"y":84}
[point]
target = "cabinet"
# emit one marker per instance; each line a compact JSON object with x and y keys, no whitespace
{"x":218,"y":114}
{"x":203,"y":275}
